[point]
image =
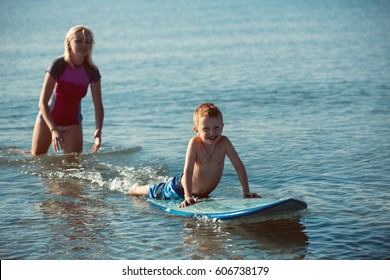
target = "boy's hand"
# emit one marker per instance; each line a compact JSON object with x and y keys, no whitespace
{"x":188,"y":201}
{"x":251,"y":195}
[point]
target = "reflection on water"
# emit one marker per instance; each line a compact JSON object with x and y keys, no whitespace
{"x":76,"y":220}
{"x":74,"y":214}
{"x":279,"y":239}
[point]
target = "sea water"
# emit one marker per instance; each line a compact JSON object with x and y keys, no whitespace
{"x":304,"y":87}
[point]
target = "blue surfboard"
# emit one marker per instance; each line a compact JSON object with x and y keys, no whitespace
{"x":231,"y":208}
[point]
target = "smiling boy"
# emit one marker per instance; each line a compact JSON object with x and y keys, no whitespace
{"x":204,"y":163}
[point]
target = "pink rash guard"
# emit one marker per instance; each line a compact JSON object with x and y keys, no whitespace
{"x":71,"y":86}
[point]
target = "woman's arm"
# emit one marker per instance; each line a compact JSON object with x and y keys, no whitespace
{"x":99,"y":114}
{"x":46,"y":93}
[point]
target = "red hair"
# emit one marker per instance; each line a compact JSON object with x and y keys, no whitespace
{"x":207,"y":110}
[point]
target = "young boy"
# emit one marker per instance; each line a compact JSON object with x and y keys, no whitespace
{"x":204,"y":162}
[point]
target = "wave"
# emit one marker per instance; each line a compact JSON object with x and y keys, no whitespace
{"x":115,"y":151}
{"x":111,"y":169}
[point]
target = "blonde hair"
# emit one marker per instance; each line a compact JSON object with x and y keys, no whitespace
{"x":207,"y":110}
{"x":70,"y":35}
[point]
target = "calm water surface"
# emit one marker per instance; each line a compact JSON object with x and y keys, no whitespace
{"x":305,"y":92}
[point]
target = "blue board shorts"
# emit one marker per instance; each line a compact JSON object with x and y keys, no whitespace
{"x":171,"y":189}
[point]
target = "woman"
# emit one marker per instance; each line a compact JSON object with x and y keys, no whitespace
{"x":59,"y":120}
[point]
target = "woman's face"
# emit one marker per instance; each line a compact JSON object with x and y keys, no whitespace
{"x":80,"y":45}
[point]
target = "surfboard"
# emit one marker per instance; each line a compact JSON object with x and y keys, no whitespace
{"x":231,"y":208}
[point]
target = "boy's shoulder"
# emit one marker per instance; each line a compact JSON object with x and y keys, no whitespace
{"x":223,"y":140}
{"x":197,"y":138}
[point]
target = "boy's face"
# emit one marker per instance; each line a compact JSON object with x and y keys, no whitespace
{"x":209,"y":129}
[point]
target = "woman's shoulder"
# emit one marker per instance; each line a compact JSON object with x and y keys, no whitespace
{"x":59,"y":62}
{"x":59,"y":59}
{"x":57,"y":67}
{"x":93,"y":72}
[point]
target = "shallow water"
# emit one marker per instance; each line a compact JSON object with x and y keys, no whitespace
{"x":305,"y":92}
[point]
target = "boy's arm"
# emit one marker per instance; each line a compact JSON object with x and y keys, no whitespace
{"x":187,"y":174}
{"x":240,"y":169}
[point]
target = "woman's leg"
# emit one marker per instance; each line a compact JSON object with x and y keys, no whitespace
{"x":73,"y":138}
{"x":41,"y":138}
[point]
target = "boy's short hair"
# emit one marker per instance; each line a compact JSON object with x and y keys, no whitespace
{"x":207,"y":110}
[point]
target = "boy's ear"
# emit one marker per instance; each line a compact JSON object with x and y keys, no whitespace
{"x":196,"y":130}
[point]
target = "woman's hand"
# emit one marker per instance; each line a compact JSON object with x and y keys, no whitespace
{"x":57,"y":140}
{"x":98,"y":140}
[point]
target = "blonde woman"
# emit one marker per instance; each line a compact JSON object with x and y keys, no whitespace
{"x":66,"y":83}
